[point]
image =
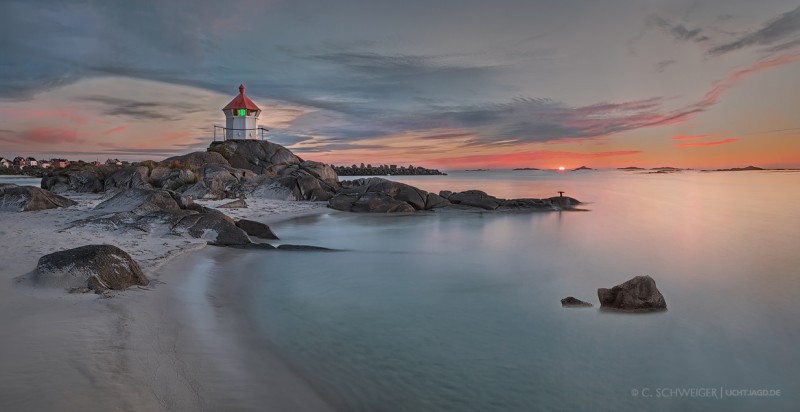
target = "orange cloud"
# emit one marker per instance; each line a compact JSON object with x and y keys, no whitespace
{"x":696,"y":136}
{"x":715,"y":143}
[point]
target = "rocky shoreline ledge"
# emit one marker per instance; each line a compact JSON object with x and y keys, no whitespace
{"x":246,"y":169}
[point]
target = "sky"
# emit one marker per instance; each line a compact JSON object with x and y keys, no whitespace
{"x":437,"y":83}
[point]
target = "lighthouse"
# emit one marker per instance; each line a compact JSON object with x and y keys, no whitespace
{"x":241,"y":119}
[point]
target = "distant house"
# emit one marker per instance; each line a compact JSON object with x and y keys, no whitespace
{"x":113,"y":162}
{"x":32,"y":162}
{"x":59,"y":163}
{"x":44,"y":164}
{"x":19,"y":162}
{"x":4,"y":163}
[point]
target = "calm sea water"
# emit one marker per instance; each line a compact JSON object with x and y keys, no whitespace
{"x":461,"y":312}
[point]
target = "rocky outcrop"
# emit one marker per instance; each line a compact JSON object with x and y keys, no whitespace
{"x":213,"y":227}
{"x":475,"y":198}
{"x":258,"y":156}
{"x":140,"y":202}
{"x":97,"y":267}
{"x":572,"y":302}
{"x":256,"y":229}
{"x":281,"y":174}
{"x":219,"y":182}
{"x":88,"y":179}
{"x":639,"y":294}
{"x":15,"y":198}
{"x":133,"y":177}
{"x":195,"y":161}
{"x":376,"y":195}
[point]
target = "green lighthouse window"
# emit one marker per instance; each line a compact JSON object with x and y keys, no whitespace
{"x":241,"y":112}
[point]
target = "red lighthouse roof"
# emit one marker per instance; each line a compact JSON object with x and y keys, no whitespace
{"x":241,"y":101}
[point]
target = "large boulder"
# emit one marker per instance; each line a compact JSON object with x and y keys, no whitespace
{"x":376,"y":195}
{"x":172,"y":179}
{"x":88,"y":179}
{"x":573,"y":302}
{"x":97,"y":267}
{"x":257,"y":229}
{"x":475,"y":198}
{"x":132,"y":177}
{"x":259,"y":156}
{"x":213,"y":227}
{"x":639,"y":294}
{"x":140,"y":202}
{"x":15,"y":198}
{"x":195,"y":161}
{"x":218,"y":182}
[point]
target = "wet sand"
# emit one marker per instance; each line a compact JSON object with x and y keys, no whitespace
{"x":169,"y":347}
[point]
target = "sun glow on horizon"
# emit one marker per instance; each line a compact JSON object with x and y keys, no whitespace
{"x":561,"y":168}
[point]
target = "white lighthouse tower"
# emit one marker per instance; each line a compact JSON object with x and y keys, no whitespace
{"x":241,"y":119}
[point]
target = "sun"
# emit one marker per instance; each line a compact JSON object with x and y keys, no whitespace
{"x":561,"y":168}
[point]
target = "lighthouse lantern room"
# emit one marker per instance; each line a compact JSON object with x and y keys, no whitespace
{"x":241,"y":119}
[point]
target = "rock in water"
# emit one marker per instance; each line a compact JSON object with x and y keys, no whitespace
{"x":97,"y":267}
{"x":571,"y":302}
{"x":256,"y":229}
{"x":15,"y":198}
{"x":639,"y":294}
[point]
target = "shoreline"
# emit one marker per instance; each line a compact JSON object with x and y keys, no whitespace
{"x":144,"y":348}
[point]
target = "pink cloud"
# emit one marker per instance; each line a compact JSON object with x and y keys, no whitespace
{"x":115,"y":130}
{"x":50,"y":135}
{"x":713,"y":95}
{"x":714,"y":143}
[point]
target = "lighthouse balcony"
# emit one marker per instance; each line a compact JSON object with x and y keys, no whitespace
{"x":222,"y":134}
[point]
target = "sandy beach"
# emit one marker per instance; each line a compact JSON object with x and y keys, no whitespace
{"x":168,"y":346}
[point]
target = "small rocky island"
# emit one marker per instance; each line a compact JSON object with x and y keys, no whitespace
{"x":384,"y":170}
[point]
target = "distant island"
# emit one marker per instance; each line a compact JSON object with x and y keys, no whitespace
{"x":526,"y":168}
{"x":582,"y":168}
{"x":736,"y":169}
{"x":384,"y":170}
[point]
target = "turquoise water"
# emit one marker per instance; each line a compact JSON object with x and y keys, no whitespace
{"x":461,"y":312}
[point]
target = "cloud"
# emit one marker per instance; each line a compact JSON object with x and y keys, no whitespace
{"x":49,"y":135}
{"x":114,"y":106}
{"x":714,"y":143}
{"x":695,"y":137}
{"x":662,"y":65}
{"x":678,"y":31}
{"x":775,"y":30}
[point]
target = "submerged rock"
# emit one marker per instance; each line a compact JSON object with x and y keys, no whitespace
{"x":639,"y":294}
{"x":97,"y":267}
{"x":572,"y":302}
{"x":15,"y":198}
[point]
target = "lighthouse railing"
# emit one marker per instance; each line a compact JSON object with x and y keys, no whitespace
{"x":261,"y":131}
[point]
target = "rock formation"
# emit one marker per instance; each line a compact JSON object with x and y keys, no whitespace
{"x":26,"y":199}
{"x":639,"y":294}
{"x":97,"y":267}
{"x":572,"y":302}
{"x":257,"y":229}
